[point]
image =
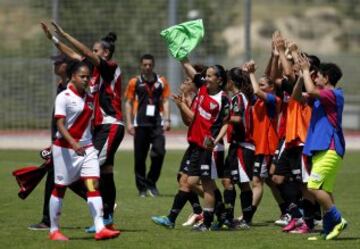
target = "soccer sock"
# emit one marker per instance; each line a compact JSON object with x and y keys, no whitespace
{"x":180,"y":200}
{"x":108,"y":193}
{"x":246,"y":199}
{"x":335,"y":215}
{"x":229,"y":201}
{"x":308,"y":213}
{"x":193,"y":198}
{"x":283,"y":207}
{"x":290,"y":193}
{"x":208,"y":216}
{"x":95,"y":204}
{"x":55,"y":206}
{"x":219,"y":206}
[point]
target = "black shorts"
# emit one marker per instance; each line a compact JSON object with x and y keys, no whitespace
{"x":106,"y":140}
{"x":199,"y":161}
{"x":239,"y":164}
{"x":262,"y":165}
{"x":185,"y":163}
{"x":290,"y":163}
{"x":279,"y":150}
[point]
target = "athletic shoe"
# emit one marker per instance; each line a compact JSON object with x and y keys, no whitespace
{"x":57,"y":235}
{"x":243,"y":225}
{"x":301,"y":229}
{"x":39,"y":227}
{"x":106,"y":234}
{"x":318,"y":237}
{"x":283,"y":220}
{"x":163,"y":221}
{"x":318,"y":223}
{"x":142,"y":194}
{"x":294,"y":223}
{"x":200,"y":228}
{"x":153,"y":192}
{"x":107,"y":223}
{"x":192,"y":219}
{"x":337,"y":230}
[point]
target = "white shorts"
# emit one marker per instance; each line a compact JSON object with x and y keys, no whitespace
{"x":69,"y":167}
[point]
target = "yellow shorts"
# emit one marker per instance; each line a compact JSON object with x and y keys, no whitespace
{"x":325,"y":165}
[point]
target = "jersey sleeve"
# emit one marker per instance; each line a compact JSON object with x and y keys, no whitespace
{"x":166,"y":91}
{"x":130,"y":89}
{"x":107,"y":70}
{"x":225,"y":109}
{"x":60,"y":106}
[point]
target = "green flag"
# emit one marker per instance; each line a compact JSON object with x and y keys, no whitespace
{"x":183,"y":38}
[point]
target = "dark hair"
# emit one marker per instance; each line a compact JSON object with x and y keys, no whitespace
{"x":73,"y":66}
{"x":201,"y":69}
{"x":147,"y":57}
{"x":314,"y":62}
{"x":241,"y":81}
{"x":332,"y":71}
{"x":220,"y":72}
{"x":108,"y":42}
{"x":60,"y":59}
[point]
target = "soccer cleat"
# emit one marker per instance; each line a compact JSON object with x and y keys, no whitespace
{"x":243,"y":225}
{"x":106,"y":233}
{"x":107,"y":223}
{"x":318,"y":237}
{"x":57,"y":235}
{"x":318,"y":223}
{"x":337,"y":230}
{"x":200,"y":228}
{"x":163,"y":221}
{"x":301,"y":229}
{"x":294,"y":223}
{"x":283,"y":220}
{"x":142,"y":194}
{"x":192,"y":219}
{"x":39,"y":227}
{"x":153,"y":192}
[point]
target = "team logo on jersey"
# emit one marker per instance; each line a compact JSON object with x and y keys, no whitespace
{"x":212,"y":106}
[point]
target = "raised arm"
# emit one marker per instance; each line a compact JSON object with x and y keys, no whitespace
{"x":186,"y":113}
{"x":309,"y":84}
{"x":60,"y":45}
{"x":287,"y":67}
{"x":251,"y":68}
{"x":188,"y":68}
{"x":83,"y":50}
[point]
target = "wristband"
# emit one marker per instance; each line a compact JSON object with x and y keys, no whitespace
{"x":55,"y":40}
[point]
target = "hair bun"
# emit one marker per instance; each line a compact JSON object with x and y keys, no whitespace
{"x":111,"y":37}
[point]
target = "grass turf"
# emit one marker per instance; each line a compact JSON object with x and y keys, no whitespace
{"x":133,"y":213}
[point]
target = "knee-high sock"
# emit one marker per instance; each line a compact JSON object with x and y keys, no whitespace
{"x":108,"y":193}
{"x":95,"y":204}
{"x":195,"y":203}
{"x":229,"y":201}
{"x":246,"y":205}
{"x":219,"y":206}
{"x":55,"y":205}
{"x":180,"y":200}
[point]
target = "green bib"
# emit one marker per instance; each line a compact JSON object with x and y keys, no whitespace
{"x":183,"y":38}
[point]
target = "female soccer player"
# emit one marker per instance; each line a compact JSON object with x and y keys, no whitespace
{"x":327,"y":153}
{"x":207,"y":128}
{"x":265,"y":117}
{"x":73,"y":151}
{"x":105,"y":84}
{"x":240,"y":159}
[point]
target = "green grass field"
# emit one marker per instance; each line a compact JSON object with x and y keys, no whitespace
{"x":133,"y":213}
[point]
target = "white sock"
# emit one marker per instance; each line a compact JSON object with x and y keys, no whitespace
{"x":55,"y":206}
{"x":96,"y":209}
